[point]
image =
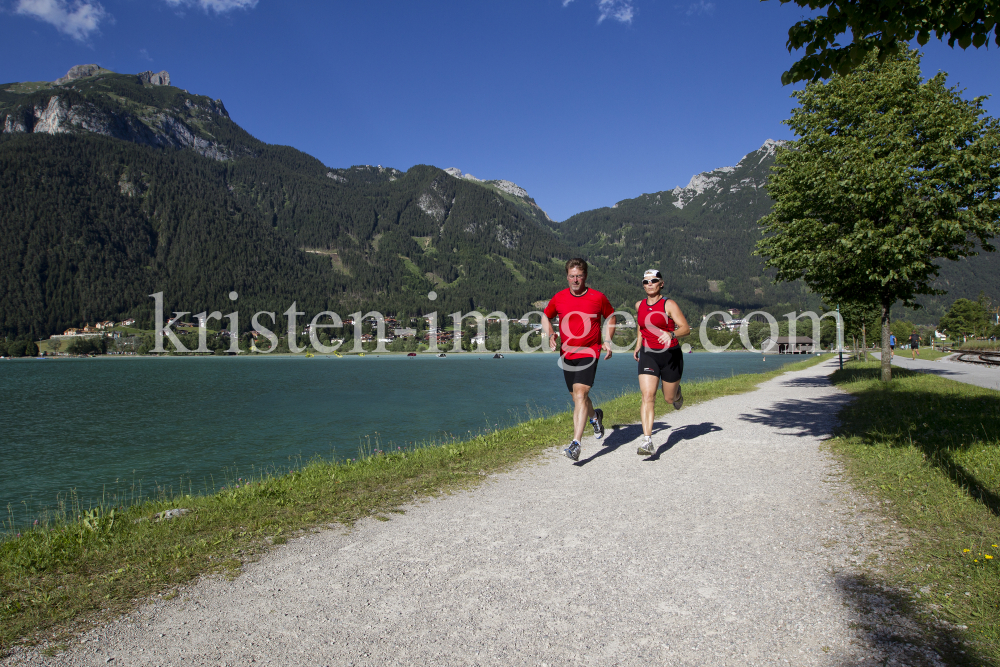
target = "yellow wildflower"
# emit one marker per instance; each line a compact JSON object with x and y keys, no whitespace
{"x":965,"y":551}
{"x":988,"y":557}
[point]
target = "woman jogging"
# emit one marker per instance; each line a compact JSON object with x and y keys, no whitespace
{"x":659,"y":354}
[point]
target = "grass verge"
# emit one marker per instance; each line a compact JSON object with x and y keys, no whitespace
{"x":929,"y":449}
{"x":927,"y":354}
{"x":59,"y":578}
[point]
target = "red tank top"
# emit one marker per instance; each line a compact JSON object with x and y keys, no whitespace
{"x":653,"y":320}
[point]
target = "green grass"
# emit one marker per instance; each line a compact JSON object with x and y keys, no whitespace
{"x":66,"y":574}
{"x":926,"y":353}
{"x":929,"y":449}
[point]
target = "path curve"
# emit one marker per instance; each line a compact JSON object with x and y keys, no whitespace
{"x":737,"y":543}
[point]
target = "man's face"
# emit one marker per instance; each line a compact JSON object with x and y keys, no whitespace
{"x":576,"y":279}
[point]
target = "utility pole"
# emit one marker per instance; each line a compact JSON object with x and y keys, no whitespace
{"x":840,"y":337}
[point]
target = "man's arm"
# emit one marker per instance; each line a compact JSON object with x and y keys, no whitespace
{"x":609,"y":331}
{"x":548,"y":332}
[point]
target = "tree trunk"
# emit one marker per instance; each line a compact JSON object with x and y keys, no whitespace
{"x":886,"y":359}
{"x":864,"y":343}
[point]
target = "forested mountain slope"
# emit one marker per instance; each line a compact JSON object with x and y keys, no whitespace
{"x":115,"y":186}
{"x":702,"y":237}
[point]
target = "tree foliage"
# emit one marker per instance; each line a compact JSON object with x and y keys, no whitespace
{"x":966,"y":318}
{"x":889,"y":174}
{"x":884,"y":28}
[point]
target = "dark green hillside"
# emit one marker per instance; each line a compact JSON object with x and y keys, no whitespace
{"x":113,"y":187}
{"x":92,"y":226}
{"x":707,"y":245}
{"x":703,"y":247}
{"x":148,"y":188}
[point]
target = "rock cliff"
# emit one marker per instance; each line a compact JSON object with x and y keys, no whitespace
{"x":158,"y":79}
{"x":93,"y":104}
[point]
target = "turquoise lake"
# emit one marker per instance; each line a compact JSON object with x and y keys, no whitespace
{"x":106,"y":425}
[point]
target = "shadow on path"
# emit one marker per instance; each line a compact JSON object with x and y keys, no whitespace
{"x":686,"y":432}
{"x":815,"y":381}
{"x":621,"y":434}
{"x":813,"y":418}
{"x":892,"y":627}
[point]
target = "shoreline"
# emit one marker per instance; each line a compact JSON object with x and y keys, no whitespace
{"x":319,"y":355}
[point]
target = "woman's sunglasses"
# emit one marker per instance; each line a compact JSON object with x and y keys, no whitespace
{"x":651,"y":282}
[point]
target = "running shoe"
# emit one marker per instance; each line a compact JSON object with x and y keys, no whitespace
{"x":646,"y":448}
{"x":598,"y":423}
{"x":679,"y":403}
{"x":573,"y":451}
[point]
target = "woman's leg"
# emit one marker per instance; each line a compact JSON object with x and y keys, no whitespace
{"x":670,"y":391}
{"x":647,"y":385}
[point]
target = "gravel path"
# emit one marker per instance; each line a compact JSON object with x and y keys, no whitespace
{"x":735,"y":544}
{"x":982,"y":376}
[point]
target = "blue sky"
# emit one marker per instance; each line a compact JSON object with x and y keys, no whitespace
{"x":581,"y":102}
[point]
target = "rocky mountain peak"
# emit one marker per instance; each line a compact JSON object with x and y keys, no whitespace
{"x":157,"y":79}
{"x":457,"y":173}
{"x":710,"y":180}
{"x":79,"y":72}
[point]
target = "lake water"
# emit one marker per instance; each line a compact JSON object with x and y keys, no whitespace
{"x":108,"y":425}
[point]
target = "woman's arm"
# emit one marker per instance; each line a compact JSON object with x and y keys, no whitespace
{"x":681,"y":323}
{"x":638,"y":333}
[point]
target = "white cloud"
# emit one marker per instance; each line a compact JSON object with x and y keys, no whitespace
{"x":618,"y":10}
{"x":217,"y":6}
{"x":78,"y":18}
{"x":700,"y":7}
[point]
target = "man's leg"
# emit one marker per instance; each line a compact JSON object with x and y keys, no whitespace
{"x":583,"y":409}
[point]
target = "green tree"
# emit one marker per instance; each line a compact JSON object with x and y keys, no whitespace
{"x":884,"y":28}
{"x":965,"y":318}
{"x":858,"y":317}
{"x":889,"y":174}
{"x":902,"y":329}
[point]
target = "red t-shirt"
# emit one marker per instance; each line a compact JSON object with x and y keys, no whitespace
{"x":579,"y":321}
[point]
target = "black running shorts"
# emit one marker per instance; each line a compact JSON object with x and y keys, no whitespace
{"x":579,"y":371}
{"x":668,"y":365}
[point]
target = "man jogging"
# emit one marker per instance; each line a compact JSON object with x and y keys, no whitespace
{"x":892,"y":345}
{"x":914,"y":345}
{"x":579,"y":310}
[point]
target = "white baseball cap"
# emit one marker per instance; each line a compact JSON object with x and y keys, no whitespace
{"x":652,"y":273}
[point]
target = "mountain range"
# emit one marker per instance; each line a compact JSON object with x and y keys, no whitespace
{"x":116,"y":186}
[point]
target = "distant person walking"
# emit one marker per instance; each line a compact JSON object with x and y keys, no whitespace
{"x":914,"y":345}
{"x":579,"y":310}
{"x":892,"y":345}
{"x":661,"y":362}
